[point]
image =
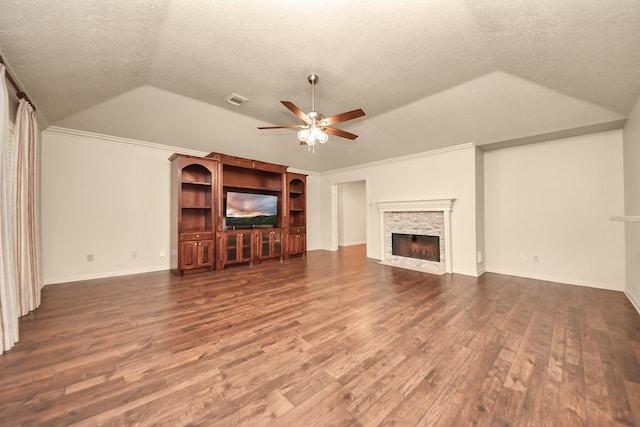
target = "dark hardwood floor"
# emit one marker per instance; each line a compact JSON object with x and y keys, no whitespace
{"x":333,"y":339}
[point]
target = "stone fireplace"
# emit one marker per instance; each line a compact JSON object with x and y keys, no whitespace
{"x":416,"y":234}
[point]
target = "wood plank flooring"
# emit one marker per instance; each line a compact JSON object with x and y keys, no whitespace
{"x":333,"y":339}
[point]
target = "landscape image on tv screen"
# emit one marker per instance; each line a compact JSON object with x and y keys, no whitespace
{"x":248,"y":210}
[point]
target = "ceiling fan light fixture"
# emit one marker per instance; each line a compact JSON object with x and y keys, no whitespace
{"x":316,"y":124}
{"x":303,"y":135}
{"x":312,"y":135}
{"x":321,"y":137}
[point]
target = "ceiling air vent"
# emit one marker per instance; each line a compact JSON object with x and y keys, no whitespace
{"x":235,"y":99}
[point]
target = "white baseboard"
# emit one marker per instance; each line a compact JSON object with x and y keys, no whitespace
{"x":633,"y":301}
{"x":467,"y":273}
{"x":351,"y":243}
{"x":555,"y":279}
{"x":102,"y":275}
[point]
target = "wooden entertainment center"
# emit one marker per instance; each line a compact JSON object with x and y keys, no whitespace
{"x":200,"y":238}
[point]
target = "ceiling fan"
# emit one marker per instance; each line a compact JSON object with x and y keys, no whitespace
{"x":316,"y":126}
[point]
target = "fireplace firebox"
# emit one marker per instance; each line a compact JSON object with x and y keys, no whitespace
{"x":416,"y":246}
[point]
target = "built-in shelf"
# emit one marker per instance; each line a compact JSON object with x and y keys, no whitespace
{"x":196,"y":183}
{"x":628,"y":218}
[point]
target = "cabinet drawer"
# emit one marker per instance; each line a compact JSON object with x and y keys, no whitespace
{"x":207,"y":235}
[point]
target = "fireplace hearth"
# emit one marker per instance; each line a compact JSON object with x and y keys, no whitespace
{"x":418,"y":246}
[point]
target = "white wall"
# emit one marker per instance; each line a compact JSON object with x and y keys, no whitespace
{"x":553,"y":200}
{"x":448,"y":173}
{"x":314,"y":211}
{"x":105,"y":198}
{"x":352,"y":213}
{"x":110,"y":197}
{"x":480,"y":211}
{"x":632,"y":203}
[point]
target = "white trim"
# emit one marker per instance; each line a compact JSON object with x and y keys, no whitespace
{"x":468,"y":145}
{"x":412,"y":267}
{"x":334,"y":218}
{"x":635,"y":303}
{"x":432,"y":205}
{"x":301,"y":171}
{"x":106,"y":274}
{"x":352,"y":243}
{"x":628,"y":218}
{"x":127,"y":141}
{"x":554,"y":279}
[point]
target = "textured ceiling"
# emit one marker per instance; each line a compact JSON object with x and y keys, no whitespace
{"x":428,"y":73}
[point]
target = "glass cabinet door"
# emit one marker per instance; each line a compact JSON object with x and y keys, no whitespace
{"x":246,"y":246}
{"x":266,"y":244}
{"x":277,"y":243}
{"x":232,"y":253}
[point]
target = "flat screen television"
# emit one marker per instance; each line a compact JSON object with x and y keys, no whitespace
{"x":246,"y":210}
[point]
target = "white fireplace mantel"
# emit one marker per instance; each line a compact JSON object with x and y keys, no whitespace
{"x":430,"y":205}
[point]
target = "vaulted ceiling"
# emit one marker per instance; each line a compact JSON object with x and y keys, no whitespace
{"x":429,"y":74}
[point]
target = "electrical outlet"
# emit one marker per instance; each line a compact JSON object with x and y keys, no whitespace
{"x":524,"y":257}
{"x":89,"y":257}
{"x":134,"y":254}
{"x":162,"y":254}
{"x":536,"y":258}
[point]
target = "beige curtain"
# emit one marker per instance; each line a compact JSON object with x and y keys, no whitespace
{"x":26,"y":208}
{"x":9,"y":311}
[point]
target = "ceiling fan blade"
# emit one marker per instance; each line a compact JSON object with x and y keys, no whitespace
{"x":339,"y":132}
{"x":283,"y":127}
{"x":343,"y":117}
{"x":298,"y":112}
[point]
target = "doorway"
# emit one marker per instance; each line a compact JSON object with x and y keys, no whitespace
{"x":350,"y":214}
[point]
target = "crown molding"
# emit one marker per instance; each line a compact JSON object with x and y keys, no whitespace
{"x":125,"y":141}
{"x":460,"y":147}
{"x":628,"y":218}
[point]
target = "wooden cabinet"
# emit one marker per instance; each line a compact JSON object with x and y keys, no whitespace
{"x":297,"y":241}
{"x":201,"y":198}
{"x":192,"y":207}
{"x":196,"y":253}
{"x":297,"y":213}
{"x":253,"y":246}
{"x":270,"y":243}
{"x":237,"y":246}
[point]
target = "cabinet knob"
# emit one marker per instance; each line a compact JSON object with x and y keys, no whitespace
{"x":197,"y":235}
